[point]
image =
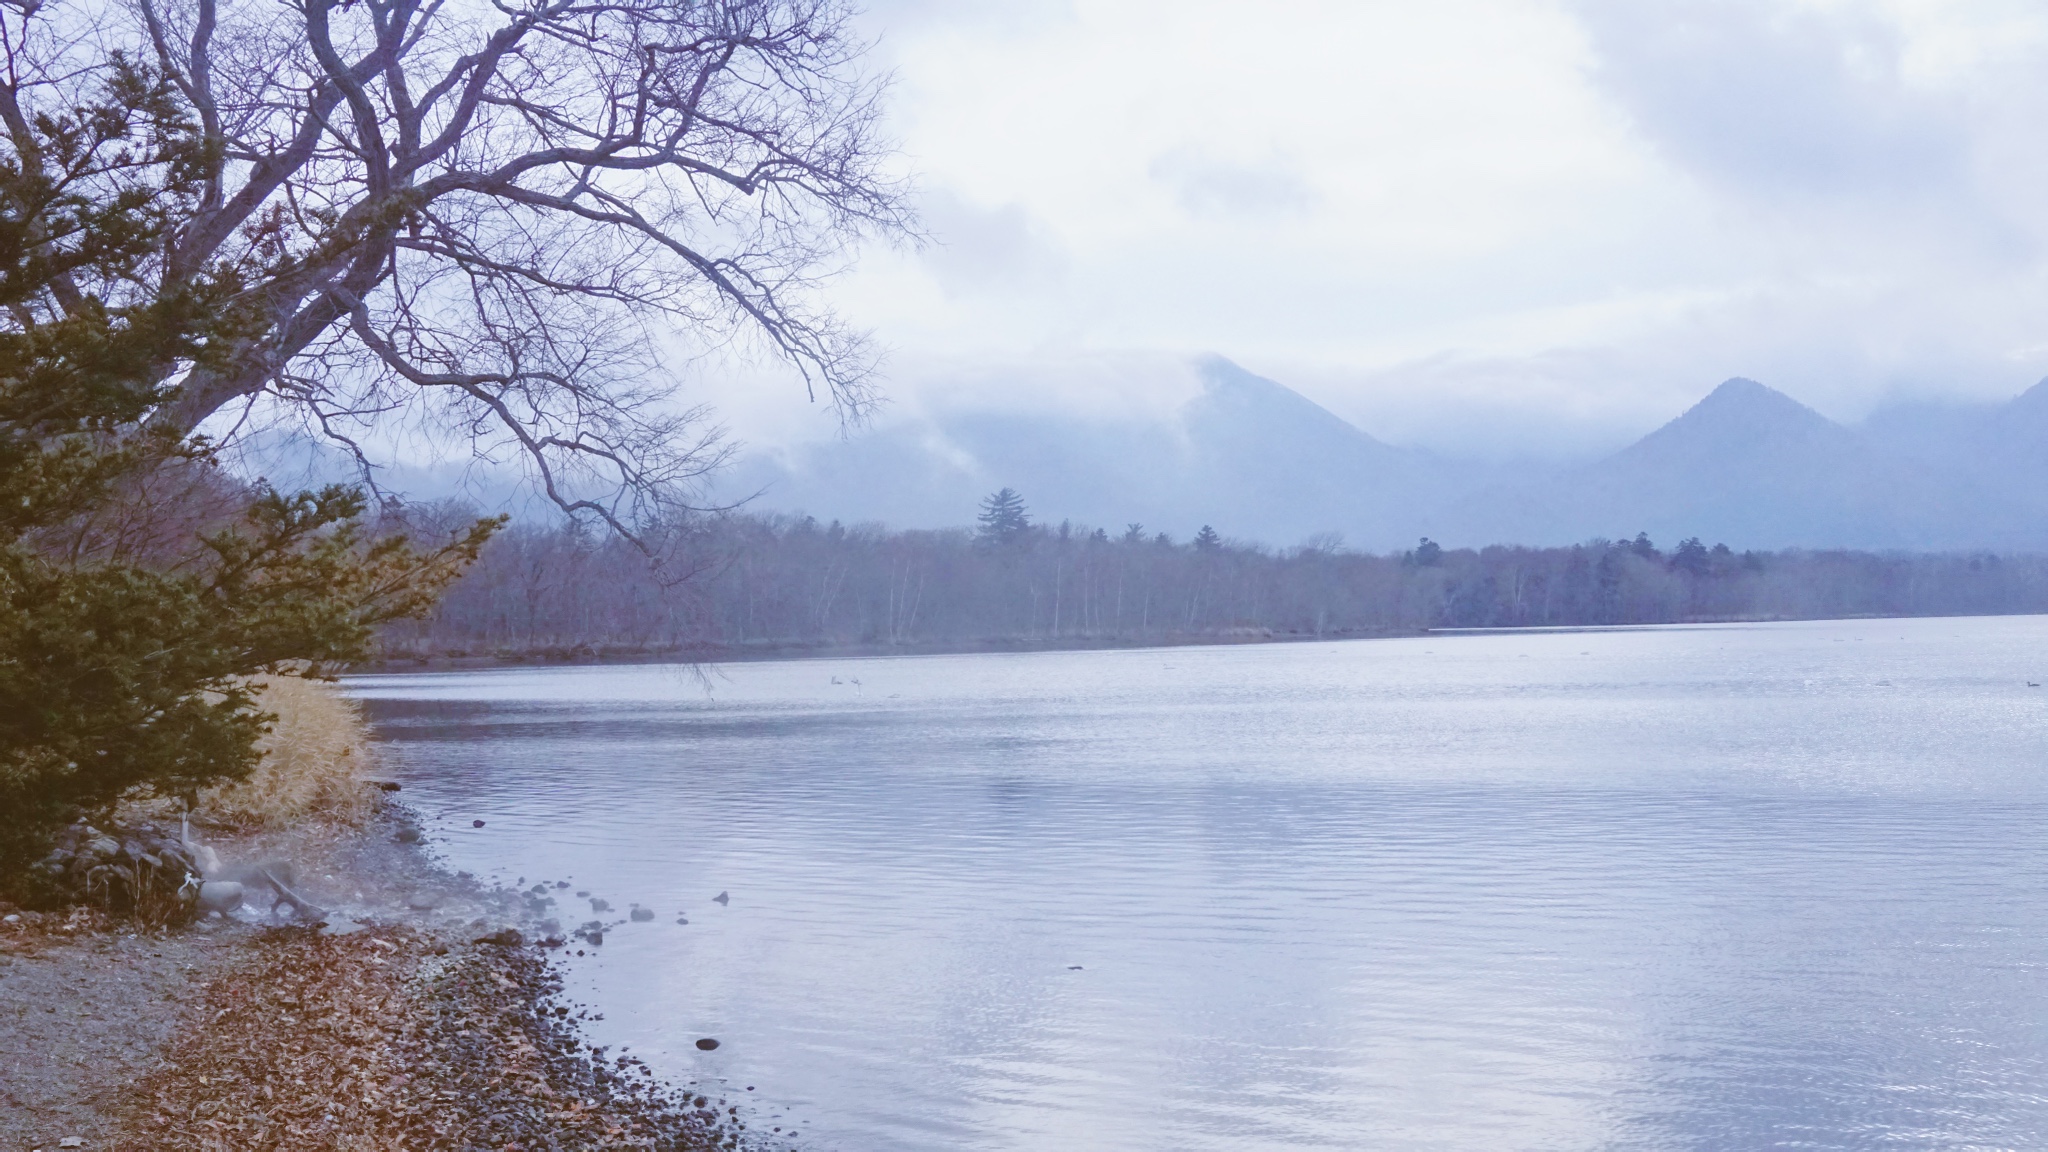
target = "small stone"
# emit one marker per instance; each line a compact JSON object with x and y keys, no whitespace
{"x":503,"y":938}
{"x":706,"y":1044}
{"x":600,"y":905}
{"x":423,"y":901}
{"x":476,"y":823}
{"x":71,"y":1142}
{"x":643,"y":914}
{"x":408,"y":835}
{"x":721,"y":898}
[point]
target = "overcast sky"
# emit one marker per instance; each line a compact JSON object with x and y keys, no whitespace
{"x":1490,"y":226}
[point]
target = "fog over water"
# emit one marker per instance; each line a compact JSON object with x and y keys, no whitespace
{"x":1726,"y":886}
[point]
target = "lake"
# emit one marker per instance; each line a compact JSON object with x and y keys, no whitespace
{"x":1732,"y":886}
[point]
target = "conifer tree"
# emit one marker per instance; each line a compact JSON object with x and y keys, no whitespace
{"x":1003,"y":519}
{"x":140,"y":587}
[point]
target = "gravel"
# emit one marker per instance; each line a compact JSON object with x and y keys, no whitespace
{"x":84,"y":1013}
{"x":415,"y":1018}
{"x":391,"y":1037}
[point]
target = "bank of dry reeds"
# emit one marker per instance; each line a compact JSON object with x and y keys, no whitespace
{"x":316,"y":761}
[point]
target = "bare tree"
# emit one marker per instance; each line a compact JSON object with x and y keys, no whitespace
{"x":493,"y":218}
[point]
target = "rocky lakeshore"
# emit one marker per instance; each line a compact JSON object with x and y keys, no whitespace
{"x":421,"y":1011}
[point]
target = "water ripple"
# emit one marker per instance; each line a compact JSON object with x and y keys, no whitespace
{"x":1669,"y":888}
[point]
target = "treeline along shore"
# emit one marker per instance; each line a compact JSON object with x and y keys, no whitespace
{"x":741,"y":585}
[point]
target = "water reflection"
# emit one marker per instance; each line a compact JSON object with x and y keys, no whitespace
{"x":1672,"y":888}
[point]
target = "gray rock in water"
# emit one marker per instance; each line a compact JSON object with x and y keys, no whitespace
{"x":222,"y":896}
{"x":600,"y":905}
{"x":408,"y":835}
{"x":423,"y":901}
{"x":706,"y":1044}
{"x":643,"y":914}
{"x":721,"y":898}
{"x":503,"y":938}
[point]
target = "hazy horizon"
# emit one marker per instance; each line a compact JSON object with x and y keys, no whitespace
{"x":1495,"y":230}
{"x":1515,"y":236}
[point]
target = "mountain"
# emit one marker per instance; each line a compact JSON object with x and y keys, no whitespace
{"x":1748,"y":465}
{"x":1251,"y":457}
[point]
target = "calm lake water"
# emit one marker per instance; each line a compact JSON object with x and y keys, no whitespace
{"x":1703,"y":887}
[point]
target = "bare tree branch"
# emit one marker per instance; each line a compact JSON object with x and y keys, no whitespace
{"x":511,"y":211}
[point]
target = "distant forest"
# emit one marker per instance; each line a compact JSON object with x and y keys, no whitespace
{"x":739,"y":584}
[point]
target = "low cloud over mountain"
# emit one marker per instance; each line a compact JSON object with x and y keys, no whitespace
{"x":1746,"y":465}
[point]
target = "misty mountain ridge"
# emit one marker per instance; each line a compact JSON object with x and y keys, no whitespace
{"x":1251,"y":457}
{"x":1747,"y":465}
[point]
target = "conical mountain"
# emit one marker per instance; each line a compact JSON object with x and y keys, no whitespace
{"x":1747,"y":465}
{"x":1251,"y":457}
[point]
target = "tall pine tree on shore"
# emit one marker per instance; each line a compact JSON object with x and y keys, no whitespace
{"x":1003,"y":519}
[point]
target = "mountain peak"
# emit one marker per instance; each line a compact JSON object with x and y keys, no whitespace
{"x":1741,"y":403}
{"x":1736,"y":421}
{"x":1741,"y":391}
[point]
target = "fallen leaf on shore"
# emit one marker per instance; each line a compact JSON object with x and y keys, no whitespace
{"x":429,"y":1051}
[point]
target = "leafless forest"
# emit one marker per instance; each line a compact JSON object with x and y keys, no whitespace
{"x":765,"y":584}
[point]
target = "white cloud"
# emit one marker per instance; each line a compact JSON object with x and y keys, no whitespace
{"x":1513,"y":226}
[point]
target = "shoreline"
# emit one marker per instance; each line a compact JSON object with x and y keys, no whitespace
{"x":416,"y":1013}
{"x":592,"y":655}
{"x":587,"y":655}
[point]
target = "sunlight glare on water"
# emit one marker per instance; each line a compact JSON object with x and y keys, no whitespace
{"x":1690,"y":887}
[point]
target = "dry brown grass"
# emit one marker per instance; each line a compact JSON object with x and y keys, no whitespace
{"x":316,"y":761}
